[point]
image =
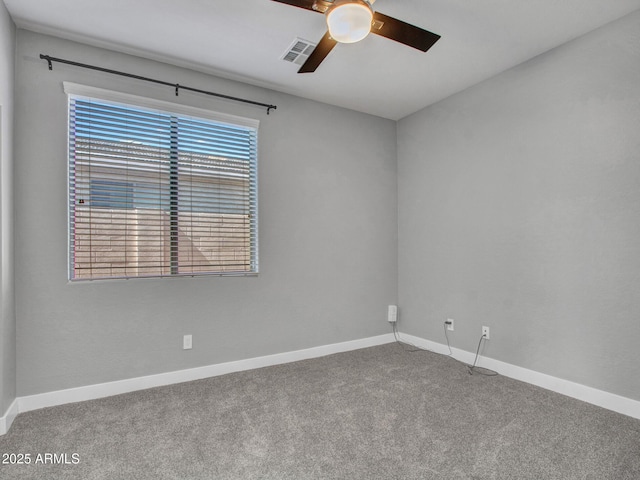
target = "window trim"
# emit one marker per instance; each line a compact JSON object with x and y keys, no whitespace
{"x":85,"y":92}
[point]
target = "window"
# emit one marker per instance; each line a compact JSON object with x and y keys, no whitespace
{"x":110,"y":194}
{"x":159,"y":192}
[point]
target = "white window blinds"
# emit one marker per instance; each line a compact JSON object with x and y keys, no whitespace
{"x":156,"y":193}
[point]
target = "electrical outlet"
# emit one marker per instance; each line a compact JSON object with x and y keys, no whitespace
{"x":485,"y":333}
{"x":392,"y":314}
{"x":187,"y":342}
{"x":450,"y":324}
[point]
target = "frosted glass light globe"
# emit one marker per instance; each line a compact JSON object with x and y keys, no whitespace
{"x":350,"y":22}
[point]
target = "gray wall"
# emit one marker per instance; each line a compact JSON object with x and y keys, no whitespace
{"x":7,"y":306}
{"x":519,"y":208}
{"x":328,"y":236}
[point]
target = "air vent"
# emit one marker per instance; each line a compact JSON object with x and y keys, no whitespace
{"x":298,"y":51}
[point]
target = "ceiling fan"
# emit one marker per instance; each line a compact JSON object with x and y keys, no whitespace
{"x":350,"y":21}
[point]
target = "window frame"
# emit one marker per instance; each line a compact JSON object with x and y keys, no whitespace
{"x":83,"y":92}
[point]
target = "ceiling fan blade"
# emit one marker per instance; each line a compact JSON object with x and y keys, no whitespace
{"x":318,"y":55}
{"x":403,"y":32}
{"x":320,"y":5}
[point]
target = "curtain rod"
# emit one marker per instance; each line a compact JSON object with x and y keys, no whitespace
{"x":161,"y":82}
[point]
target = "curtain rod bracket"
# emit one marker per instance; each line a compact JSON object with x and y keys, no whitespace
{"x":153,"y":80}
{"x":48,"y":59}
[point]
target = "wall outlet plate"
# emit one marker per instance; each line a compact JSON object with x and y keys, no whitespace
{"x":392,"y":314}
{"x":450,"y":326}
{"x":187,"y":342}
{"x":485,"y":333}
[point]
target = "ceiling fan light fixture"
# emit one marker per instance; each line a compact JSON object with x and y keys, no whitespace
{"x":350,"y":22}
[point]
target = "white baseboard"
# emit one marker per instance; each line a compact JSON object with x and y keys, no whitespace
{"x":7,"y":419}
{"x":90,"y":392}
{"x":603,"y":399}
{"x":600,"y":398}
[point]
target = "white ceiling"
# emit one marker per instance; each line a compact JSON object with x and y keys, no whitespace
{"x":245,"y":39}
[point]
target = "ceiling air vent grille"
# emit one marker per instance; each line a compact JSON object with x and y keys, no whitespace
{"x":298,"y":51}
